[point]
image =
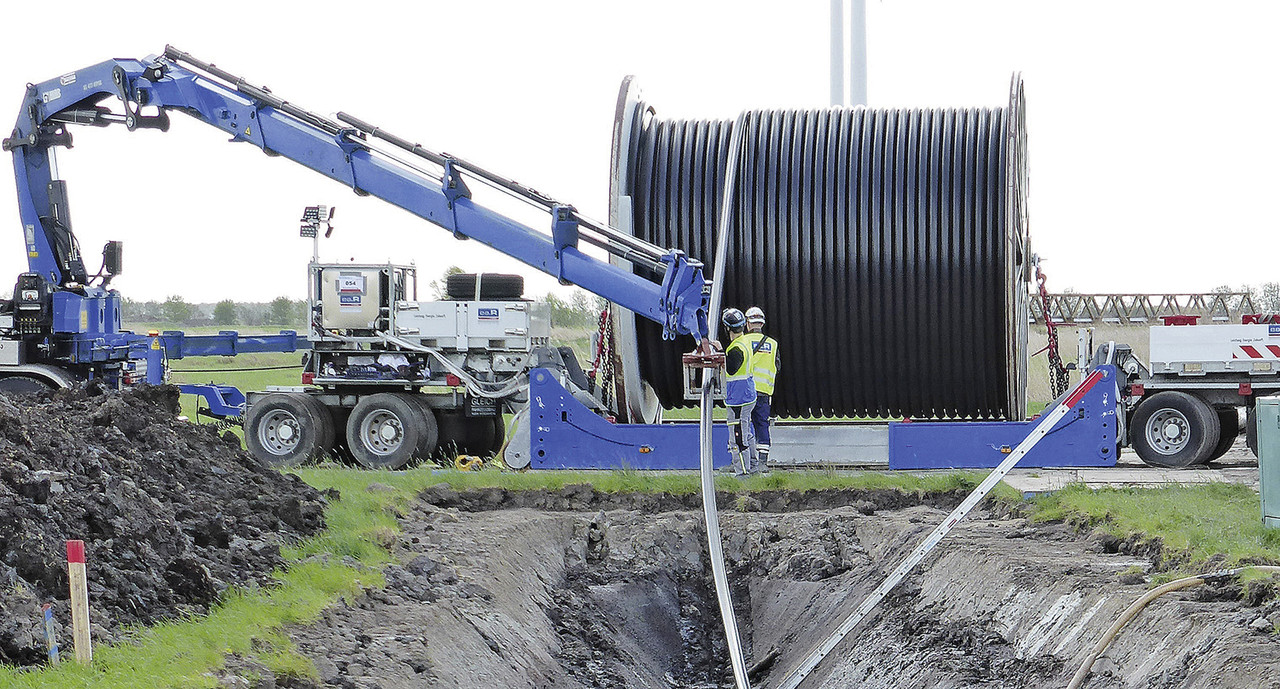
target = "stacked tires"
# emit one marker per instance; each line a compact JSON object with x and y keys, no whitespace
{"x":386,"y":430}
{"x":1176,"y":429}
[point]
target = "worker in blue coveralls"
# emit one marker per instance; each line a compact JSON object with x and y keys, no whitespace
{"x":739,"y":393}
{"x":764,"y":373}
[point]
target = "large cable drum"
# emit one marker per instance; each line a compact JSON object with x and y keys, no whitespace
{"x":887,"y":247}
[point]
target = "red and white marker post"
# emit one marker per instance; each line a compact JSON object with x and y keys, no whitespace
{"x":79,"y":602}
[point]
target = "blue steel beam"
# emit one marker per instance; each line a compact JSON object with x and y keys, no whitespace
{"x":178,"y":345}
{"x":678,"y":303}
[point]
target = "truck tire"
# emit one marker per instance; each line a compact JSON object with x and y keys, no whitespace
{"x":22,"y":385}
{"x":493,"y":286}
{"x":499,"y":432}
{"x":283,"y":430}
{"x":1251,"y":429}
{"x":1229,"y":430}
{"x":1173,"y":429}
{"x":468,"y":435}
{"x":325,"y":424}
{"x":432,"y":417}
{"x":388,"y":430}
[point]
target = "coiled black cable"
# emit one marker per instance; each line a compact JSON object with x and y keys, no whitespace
{"x":887,"y":248}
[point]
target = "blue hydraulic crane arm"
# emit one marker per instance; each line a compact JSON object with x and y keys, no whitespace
{"x":341,"y":150}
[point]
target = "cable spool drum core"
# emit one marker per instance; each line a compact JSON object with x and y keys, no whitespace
{"x":887,"y":247}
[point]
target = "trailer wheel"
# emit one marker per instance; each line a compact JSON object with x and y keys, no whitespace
{"x":283,"y":430}
{"x":388,"y":430}
{"x":22,"y":385}
{"x":1229,"y":425}
{"x":326,"y":426}
{"x":432,"y":420}
{"x":499,"y":432}
{"x":471,"y":435}
{"x":1251,"y":429}
{"x":1174,"y":429}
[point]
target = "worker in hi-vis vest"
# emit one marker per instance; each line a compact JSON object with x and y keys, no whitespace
{"x":739,"y":393}
{"x":764,"y":373}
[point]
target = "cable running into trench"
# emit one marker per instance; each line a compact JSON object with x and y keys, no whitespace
{"x":1136,"y":607}
{"x":715,"y":547}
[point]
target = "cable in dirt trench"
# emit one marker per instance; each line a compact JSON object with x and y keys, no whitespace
{"x":1136,"y":607}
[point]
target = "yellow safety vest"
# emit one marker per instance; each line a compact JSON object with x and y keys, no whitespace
{"x":738,"y":388}
{"x":764,"y":361}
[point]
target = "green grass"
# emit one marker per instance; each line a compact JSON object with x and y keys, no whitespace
{"x":1201,"y":527}
{"x":686,"y":483}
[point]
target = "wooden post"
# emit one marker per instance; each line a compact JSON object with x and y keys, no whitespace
{"x":79,"y":602}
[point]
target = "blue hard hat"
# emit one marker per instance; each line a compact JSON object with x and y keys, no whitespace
{"x":733,"y":319}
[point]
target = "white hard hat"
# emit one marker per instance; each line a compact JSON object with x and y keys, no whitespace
{"x":755,"y":315}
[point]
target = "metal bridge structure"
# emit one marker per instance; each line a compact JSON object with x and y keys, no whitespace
{"x":1215,"y":307}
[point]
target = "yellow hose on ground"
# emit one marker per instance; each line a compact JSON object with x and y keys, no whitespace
{"x":1132,"y":611}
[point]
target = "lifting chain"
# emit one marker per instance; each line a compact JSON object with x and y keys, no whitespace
{"x":1058,"y":375}
{"x":602,"y":369}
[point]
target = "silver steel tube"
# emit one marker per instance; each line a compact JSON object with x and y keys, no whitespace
{"x":715,"y":546}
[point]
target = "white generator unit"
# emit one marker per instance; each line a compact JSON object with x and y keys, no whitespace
{"x":390,"y":379}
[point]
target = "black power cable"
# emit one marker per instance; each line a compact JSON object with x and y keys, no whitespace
{"x":886,"y":247}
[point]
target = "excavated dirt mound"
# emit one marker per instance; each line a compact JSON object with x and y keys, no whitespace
{"x":575,"y":588}
{"x":171,"y":513}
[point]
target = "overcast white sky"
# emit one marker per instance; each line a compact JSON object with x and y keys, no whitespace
{"x":1153,"y":132}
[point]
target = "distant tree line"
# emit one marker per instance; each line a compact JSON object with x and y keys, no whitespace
{"x":1266,"y":297}
{"x":175,"y":310}
{"x":579,"y":311}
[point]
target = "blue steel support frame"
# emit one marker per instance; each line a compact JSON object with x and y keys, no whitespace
{"x":565,"y":434}
{"x":225,"y":401}
{"x":1084,"y":438}
{"x":678,"y":303}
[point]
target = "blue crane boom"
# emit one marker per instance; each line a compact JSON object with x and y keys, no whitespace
{"x":436,"y":187}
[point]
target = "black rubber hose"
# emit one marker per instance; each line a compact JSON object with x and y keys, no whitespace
{"x":877,"y":241}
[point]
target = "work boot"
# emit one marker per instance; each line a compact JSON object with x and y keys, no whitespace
{"x":735,"y":465}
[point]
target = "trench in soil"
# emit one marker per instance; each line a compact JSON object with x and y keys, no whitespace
{"x":581,"y":589}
